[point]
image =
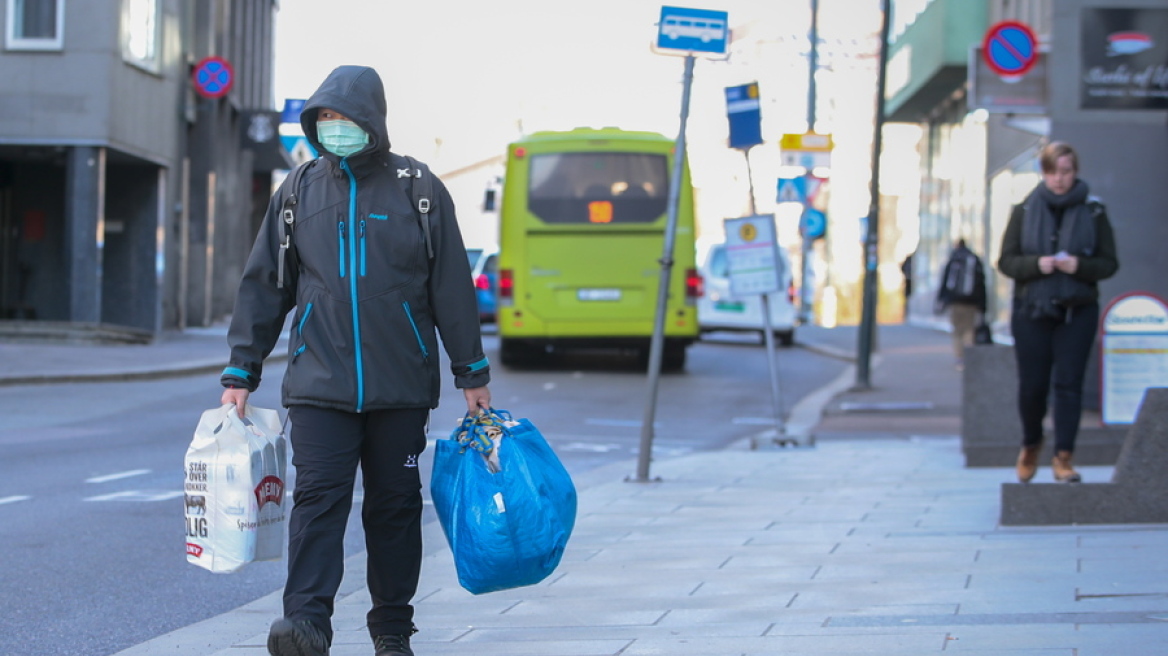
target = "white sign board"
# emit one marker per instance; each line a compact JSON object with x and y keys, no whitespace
{"x":1135,"y":354}
{"x":752,"y":251}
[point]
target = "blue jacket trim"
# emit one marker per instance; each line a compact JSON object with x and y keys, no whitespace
{"x":353,"y":286}
{"x":237,"y":372}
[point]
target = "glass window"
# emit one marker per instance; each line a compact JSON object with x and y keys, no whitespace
{"x":598,"y":187}
{"x":35,"y":24}
{"x":140,"y":33}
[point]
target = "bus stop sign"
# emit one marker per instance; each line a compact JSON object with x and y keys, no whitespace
{"x":693,"y":30}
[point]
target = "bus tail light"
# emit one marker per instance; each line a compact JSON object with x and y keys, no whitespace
{"x":506,"y":287}
{"x":693,"y":285}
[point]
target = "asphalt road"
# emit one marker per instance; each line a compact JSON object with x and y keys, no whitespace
{"x":91,"y":477}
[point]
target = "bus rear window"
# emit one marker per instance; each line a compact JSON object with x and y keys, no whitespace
{"x":598,"y":187}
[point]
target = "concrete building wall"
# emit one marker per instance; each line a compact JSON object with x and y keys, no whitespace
{"x":156,"y":234}
{"x":1123,"y":153}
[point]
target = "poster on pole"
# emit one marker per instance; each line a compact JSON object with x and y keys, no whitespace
{"x":752,"y":251}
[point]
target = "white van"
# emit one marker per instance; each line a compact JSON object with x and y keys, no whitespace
{"x":718,"y":309}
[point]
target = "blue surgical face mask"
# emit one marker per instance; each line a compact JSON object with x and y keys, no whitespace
{"x":341,"y":138}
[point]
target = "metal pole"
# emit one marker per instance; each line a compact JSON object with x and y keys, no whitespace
{"x":768,"y":330}
{"x":658,"y":342}
{"x":750,"y":179}
{"x":806,"y":295}
{"x":776,"y":390}
{"x":872,"y":239}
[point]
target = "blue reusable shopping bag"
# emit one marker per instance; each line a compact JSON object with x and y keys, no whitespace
{"x":507,"y":519}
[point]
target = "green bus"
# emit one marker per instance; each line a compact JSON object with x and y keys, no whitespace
{"x":581,"y":237}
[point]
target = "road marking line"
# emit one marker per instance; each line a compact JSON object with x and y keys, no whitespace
{"x":593,"y":448}
{"x":629,"y":423}
{"x":114,"y":477}
{"x":13,"y":499}
{"x":753,"y":421}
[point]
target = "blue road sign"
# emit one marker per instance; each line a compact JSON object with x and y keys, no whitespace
{"x":292,"y":109}
{"x":813,"y":224}
{"x":742,"y":108}
{"x":213,"y":77}
{"x":1010,"y":48}
{"x":693,"y":30}
{"x":792,"y":190}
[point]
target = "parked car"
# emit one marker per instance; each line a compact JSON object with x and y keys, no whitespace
{"x":484,"y":266}
{"x":720,"y":310}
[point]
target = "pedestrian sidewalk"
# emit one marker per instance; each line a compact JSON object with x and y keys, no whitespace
{"x":38,"y":360}
{"x":875,"y":540}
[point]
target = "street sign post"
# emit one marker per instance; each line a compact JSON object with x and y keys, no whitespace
{"x":685,"y":31}
{"x":752,"y":253}
{"x":810,"y":151}
{"x":693,"y":30}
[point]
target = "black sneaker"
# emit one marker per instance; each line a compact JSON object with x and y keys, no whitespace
{"x":296,"y":638}
{"x":393,"y":645}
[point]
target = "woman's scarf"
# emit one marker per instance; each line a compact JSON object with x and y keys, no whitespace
{"x":1076,"y":235}
{"x":1044,"y":234}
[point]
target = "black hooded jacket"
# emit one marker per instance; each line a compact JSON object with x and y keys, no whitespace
{"x":369,"y":301}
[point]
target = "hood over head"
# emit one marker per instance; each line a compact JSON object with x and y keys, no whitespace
{"x":356,"y":92}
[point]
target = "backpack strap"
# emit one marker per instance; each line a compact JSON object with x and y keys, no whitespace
{"x":288,"y":218}
{"x":420,"y":186}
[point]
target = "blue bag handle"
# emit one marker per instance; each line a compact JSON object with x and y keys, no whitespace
{"x":475,"y":430}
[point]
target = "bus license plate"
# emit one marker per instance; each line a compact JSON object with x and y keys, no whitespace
{"x":598,"y":294}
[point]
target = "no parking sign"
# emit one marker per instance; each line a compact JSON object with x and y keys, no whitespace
{"x":1010,"y":48}
{"x":213,"y":77}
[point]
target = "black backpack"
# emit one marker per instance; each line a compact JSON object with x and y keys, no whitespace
{"x":415,"y":178}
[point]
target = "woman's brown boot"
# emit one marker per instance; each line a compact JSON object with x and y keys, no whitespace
{"x":1063,"y":472}
{"x":1028,"y":463}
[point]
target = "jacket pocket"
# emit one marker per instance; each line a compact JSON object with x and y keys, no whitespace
{"x":417,"y":333}
{"x":300,"y":345}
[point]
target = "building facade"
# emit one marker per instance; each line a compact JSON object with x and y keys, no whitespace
{"x":1099,"y":82}
{"x":130,"y":187}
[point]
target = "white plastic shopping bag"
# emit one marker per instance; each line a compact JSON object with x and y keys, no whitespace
{"x":234,"y":489}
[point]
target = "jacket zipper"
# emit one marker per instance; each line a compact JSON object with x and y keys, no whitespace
{"x":300,"y":331}
{"x":362,"y":248}
{"x":417,"y":333}
{"x":341,"y":246}
{"x":360,"y":369}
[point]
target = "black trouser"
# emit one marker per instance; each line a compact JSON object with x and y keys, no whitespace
{"x":327,"y":445}
{"x":1058,"y":348}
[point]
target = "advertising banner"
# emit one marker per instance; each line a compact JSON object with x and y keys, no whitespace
{"x":1125,"y":59}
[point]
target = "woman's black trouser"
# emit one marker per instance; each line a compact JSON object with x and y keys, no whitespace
{"x":1052,"y":350}
{"x":327,"y":446}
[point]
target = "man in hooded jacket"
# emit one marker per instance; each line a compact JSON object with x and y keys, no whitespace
{"x":372,"y":278}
